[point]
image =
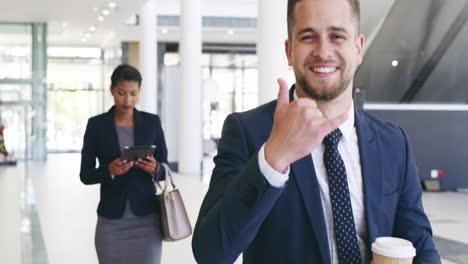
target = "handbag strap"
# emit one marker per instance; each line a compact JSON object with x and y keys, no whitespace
{"x":168,"y":174}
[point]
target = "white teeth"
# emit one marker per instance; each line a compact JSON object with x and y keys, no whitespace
{"x":323,"y":69}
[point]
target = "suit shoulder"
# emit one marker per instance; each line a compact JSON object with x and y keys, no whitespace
{"x":260,"y":113}
{"x":255,"y":125}
{"x":149,"y":116}
{"x":384,"y":128}
{"x":97,"y":118}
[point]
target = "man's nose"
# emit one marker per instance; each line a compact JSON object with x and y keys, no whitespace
{"x":322,"y":49}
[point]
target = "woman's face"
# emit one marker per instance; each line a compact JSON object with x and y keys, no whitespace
{"x":126,"y":95}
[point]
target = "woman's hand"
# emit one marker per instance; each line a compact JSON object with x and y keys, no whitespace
{"x":119,"y":167}
{"x":149,"y":164}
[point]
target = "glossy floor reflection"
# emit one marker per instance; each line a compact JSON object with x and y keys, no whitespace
{"x":48,"y":216}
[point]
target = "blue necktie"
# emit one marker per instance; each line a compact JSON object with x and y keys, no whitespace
{"x":343,"y":220}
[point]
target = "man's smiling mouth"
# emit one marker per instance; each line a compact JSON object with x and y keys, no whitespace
{"x":323,"y":69}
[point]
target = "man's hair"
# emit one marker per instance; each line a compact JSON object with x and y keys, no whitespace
{"x":125,"y":72}
{"x":355,"y":11}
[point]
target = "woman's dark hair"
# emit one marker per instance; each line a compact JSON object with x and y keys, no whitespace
{"x":125,"y":72}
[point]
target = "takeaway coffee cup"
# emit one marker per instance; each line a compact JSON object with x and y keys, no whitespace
{"x":391,"y":250}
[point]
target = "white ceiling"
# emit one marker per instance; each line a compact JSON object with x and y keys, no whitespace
{"x":69,"y":21}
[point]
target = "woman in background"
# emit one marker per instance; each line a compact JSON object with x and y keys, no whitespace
{"x":128,"y":227}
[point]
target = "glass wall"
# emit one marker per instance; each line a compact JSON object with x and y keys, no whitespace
{"x":48,"y":94}
{"x":76,"y":91}
{"x":23,"y":73}
{"x":15,"y":51}
{"x":15,"y":92}
{"x":230,"y":82}
{"x":229,"y":85}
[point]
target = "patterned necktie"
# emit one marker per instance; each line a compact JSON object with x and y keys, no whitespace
{"x":345,"y":230}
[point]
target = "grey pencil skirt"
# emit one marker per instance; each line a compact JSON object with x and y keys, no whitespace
{"x":129,"y":240}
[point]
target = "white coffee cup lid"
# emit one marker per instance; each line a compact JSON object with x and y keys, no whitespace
{"x":393,"y":247}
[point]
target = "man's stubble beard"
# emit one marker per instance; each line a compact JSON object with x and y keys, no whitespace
{"x":325,"y":94}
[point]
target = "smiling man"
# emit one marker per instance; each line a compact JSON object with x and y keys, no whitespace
{"x":308,"y":178}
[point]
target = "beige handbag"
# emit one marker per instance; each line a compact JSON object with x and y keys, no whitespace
{"x":175,"y":221}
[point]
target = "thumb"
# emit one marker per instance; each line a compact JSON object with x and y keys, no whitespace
{"x":333,"y":124}
{"x":283,"y":93}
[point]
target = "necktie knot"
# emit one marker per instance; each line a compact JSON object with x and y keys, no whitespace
{"x":332,"y":139}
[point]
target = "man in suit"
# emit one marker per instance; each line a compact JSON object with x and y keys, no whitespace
{"x":308,"y":178}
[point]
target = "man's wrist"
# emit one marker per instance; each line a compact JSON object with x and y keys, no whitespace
{"x":272,"y":159}
{"x":274,"y":177}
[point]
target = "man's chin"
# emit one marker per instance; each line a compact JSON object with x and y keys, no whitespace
{"x":322,"y":93}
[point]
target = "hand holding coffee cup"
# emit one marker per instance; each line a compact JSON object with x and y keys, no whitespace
{"x":392,"y":250}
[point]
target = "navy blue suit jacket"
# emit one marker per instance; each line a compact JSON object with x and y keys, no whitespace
{"x":101,"y":142}
{"x":242,"y":212}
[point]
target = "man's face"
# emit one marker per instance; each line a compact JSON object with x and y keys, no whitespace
{"x":324,"y":49}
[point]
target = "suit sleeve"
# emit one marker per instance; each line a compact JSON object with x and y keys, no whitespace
{"x":89,"y":174}
{"x":411,"y":221}
{"x":161,"y":152}
{"x":238,"y":200}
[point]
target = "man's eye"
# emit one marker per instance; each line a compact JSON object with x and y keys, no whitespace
{"x":307,"y":37}
{"x":338,"y":37}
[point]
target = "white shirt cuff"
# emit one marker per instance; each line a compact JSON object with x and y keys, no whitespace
{"x":274,"y":178}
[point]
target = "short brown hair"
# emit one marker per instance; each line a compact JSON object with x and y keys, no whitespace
{"x":355,"y":10}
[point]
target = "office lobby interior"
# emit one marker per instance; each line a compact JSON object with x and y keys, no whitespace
{"x":202,"y":60}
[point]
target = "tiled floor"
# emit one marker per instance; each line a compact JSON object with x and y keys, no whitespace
{"x":51,"y":194}
{"x":10,"y":250}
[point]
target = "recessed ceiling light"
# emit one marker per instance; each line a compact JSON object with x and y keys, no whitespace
{"x":394,"y":63}
{"x":92,"y":28}
{"x":95,"y":9}
{"x":112,"y":4}
{"x":84,"y":40}
{"x":164,"y":30}
{"x":87,"y":34}
{"x":100,"y":18}
{"x":105,"y":12}
{"x":230,"y":32}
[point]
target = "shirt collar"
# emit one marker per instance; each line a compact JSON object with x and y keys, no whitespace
{"x":347,"y":128}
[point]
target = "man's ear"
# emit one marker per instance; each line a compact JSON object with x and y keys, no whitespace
{"x":288,"y":50}
{"x":360,"y":47}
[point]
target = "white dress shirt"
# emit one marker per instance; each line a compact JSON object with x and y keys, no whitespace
{"x":349,"y":151}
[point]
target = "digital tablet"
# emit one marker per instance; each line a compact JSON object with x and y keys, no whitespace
{"x":137,"y":152}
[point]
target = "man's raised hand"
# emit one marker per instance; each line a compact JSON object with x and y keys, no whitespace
{"x":298,"y":128}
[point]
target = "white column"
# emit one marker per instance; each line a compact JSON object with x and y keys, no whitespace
{"x":272,"y":60}
{"x":148,"y":57}
{"x":190,"y":119}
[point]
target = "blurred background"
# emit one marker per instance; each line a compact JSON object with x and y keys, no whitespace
{"x":202,"y":60}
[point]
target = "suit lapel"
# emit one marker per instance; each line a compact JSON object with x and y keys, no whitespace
{"x":112,"y":133}
{"x":139,"y":132}
{"x":304,"y":172}
{"x":371,"y":166}
{"x":307,"y":183}
{"x":370,"y":156}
